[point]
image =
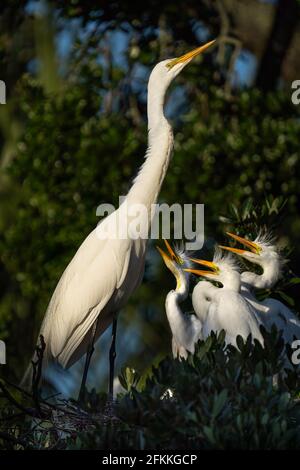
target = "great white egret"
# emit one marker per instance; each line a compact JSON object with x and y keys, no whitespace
{"x":185,"y":328}
{"x":264,"y":253}
{"x":223,"y":308}
{"x":106,"y":269}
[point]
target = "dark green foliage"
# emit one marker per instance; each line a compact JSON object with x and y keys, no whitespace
{"x":74,"y":138}
{"x":81,"y":143}
{"x":219,"y":398}
{"x":70,"y":159}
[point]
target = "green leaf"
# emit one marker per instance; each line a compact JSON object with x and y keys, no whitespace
{"x":287,"y":298}
{"x":219,"y":402}
{"x":209,"y":434}
{"x":240,"y":343}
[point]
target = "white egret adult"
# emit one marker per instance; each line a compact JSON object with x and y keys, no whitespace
{"x":107,"y":268}
{"x":185,"y":328}
{"x":223,"y":308}
{"x":264,"y":253}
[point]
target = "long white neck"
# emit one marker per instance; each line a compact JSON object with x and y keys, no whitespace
{"x":148,"y":182}
{"x":180,"y":323}
{"x":232,"y":281}
{"x":266,"y":280}
{"x":175,"y":298}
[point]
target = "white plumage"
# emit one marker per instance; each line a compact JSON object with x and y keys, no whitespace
{"x":186,"y":328}
{"x":223,"y":308}
{"x":216,"y":308}
{"x":104,"y":272}
{"x":264,"y":252}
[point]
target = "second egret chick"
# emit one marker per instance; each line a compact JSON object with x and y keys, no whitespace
{"x":186,"y":329}
{"x":223,"y":308}
{"x":264,"y":253}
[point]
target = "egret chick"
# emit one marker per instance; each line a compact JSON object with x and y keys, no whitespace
{"x":223,"y":308}
{"x":185,"y":328}
{"x":263,"y":252}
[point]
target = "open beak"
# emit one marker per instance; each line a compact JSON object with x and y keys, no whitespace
{"x":190,"y":55}
{"x":164,"y":255}
{"x":170,"y":254}
{"x":214,"y":268}
{"x":253,"y":247}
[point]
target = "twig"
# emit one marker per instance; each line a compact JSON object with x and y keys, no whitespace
{"x":85,"y":47}
{"x":224,"y":39}
{"x":14,"y":440}
{"x":12,"y":400}
{"x":16,"y":415}
{"x":37,"y":372}
{"x":224,"y":30}
{"x":50,"y":405}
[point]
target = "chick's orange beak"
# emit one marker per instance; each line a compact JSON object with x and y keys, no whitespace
{"x":253,"y":247}
{"x":170,"y":250}
{"x":163,"y":254}
{"x":199,"y":272}
{"x":170,"y":254}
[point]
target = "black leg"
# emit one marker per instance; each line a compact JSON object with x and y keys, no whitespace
{"x":89,"y":354}
{"x":112,"y":356}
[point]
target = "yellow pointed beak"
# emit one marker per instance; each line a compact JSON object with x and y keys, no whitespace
{"x":170,"y":250}
{"x":164,"y":255}
{"x":253,"y":247}
{"x":214,"y":268}
{"x":238,"y":251}
{"x":190,"y":55}
{"x":171,"y":260}
{"x":170,"y":255}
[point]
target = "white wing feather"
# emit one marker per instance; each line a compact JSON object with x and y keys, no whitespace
{"x":230,"y":312}
{"x":93,"y":281}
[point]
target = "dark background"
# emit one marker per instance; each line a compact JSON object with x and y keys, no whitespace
{"x":73,"y":134}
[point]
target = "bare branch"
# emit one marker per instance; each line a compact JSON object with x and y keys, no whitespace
{"x":14,"y":440}
{"x":37,"y":371}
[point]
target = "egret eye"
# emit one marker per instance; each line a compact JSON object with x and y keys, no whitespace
{"x":171,"y":64}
